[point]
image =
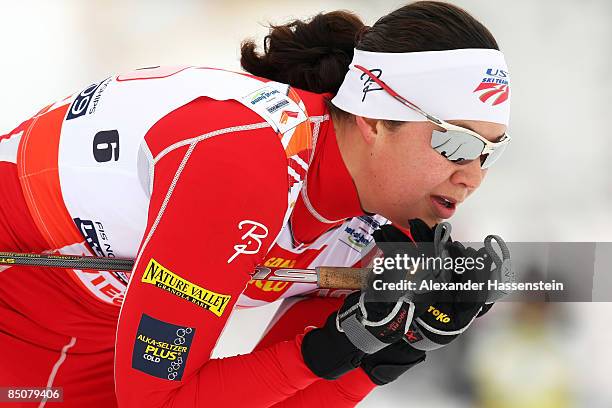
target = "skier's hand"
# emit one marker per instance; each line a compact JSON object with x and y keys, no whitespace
{"x":389,"y":363}
{"x":357,"y":329}
{"x":441,"y":316}
{"x":445,"y":314}
{"x":366,"y":323}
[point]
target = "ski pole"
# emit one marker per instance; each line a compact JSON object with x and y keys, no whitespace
{"x":328,"y":277}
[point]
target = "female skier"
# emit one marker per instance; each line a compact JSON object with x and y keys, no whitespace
{"x":202,"y":175}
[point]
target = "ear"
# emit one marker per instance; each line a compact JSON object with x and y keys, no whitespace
{"x":368,"y":128}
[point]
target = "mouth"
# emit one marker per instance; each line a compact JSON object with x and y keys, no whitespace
{"x":444,"y":207}
{"x":445,"y":201}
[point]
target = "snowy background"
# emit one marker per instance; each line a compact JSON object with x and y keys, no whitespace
{"x":553,"y":184}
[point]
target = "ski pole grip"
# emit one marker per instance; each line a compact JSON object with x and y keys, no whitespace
{"x":334,"y":277}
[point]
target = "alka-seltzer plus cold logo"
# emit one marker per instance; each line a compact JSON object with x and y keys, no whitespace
{"x":161,"y":349}
{"x":87,"y":101}
{"x":494,"y":87}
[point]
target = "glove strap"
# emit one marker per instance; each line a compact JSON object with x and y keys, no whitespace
{"x":356,"y":330}
{"x":360,"y":336}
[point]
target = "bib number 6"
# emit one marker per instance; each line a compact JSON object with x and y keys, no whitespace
{"x":106,"y":146}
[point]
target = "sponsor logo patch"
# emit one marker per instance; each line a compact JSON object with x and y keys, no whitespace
{"x":279,"y":105}
{"x":370,"y":221}
{"x":263,"y":95}
{"x":278,"y":262}
{"x":286,"y":115}
{"x":155,"y":274}
{"x":278,"y":109}
{"x":494,"y":87}
{"x":369,"y":84}
{"x":442,"y":317}
{"x":268,"y":286}
{"x":413,"y":334}
{"x":96,"y":237}
{"x":251,"y":240}
{"x":356,"y":238}
{"x":161,"y":349}
{"x":87,"y":101}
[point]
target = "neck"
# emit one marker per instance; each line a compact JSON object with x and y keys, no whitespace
{"x":331,"y":189}
{"x":331,"y":193}
{"x":350,"y":149}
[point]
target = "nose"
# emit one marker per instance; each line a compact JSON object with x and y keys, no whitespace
{"x":468,"y":175}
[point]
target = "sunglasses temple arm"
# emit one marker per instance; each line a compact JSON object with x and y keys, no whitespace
{"x":395,"y":95}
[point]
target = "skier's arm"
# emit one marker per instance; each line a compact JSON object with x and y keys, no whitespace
{"x":214,"y":213}
{"x":345,"y":392}
{"x":292,"y":318}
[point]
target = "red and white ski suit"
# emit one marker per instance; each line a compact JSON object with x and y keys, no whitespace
{"x":201,"y":175}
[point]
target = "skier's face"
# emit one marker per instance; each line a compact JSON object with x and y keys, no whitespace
{"x":405,"y":178}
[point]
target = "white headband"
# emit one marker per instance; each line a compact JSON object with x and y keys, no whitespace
{"x":468,"y":84}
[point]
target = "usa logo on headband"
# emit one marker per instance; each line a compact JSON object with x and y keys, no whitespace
{"x":494,"y":87}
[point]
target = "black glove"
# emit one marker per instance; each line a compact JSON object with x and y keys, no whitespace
{"x":365,"y":324}
{"x":357,"y":329}
{"x":442,"y":315}
{"x":418,"y":244}
{"x":389,"y":363}
{"x":328,"y":352}
{"x":432,"y":327}
{"x":448,"y":313}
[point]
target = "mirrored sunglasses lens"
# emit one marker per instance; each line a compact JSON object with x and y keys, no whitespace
{"x":493,"y":156}
{"x":457,"y":146}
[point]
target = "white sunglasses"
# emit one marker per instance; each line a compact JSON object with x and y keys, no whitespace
{"x":456,"y":143}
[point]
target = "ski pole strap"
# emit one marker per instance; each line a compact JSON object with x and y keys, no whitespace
{"x":503,"y":272}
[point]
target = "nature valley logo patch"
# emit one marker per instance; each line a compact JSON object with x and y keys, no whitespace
{"x":157,"y":275}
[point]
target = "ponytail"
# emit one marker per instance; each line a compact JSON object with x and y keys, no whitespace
{"x":312,"y":55}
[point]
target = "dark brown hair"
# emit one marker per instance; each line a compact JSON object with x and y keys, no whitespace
{"x":315,"y":55}
{"x":310,"y":55}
